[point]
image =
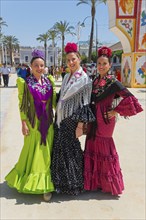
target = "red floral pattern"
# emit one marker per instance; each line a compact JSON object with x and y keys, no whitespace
{"x":100,"y":84}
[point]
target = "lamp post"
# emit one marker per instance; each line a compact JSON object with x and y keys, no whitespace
{"x":83,"y":25}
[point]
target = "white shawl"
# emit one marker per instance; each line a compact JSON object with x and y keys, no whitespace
{"x":74,"y":94}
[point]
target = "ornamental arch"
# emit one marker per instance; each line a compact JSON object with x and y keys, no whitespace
{"x":127,"y":19}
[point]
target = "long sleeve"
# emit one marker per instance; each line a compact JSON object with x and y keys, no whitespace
{"x":50,"y":77}
{"x":21,"y":84}
{"x":129,"y":104}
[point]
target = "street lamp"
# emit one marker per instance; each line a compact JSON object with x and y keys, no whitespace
{"x":83,"y":25}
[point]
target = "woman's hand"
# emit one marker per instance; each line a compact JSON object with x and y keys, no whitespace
{"x":25,"y":130}
{"x":79,"y":130}
{"x":110,"y":114}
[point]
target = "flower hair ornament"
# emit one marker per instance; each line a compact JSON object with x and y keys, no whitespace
{"x":38,"y":54}
{"x":104,"y":51}
{"x":71,"y":47}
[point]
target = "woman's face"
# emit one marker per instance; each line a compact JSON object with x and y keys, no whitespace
{"x":73,"y":62}
{"x":103,"y":65}
{"x":38,"y":67}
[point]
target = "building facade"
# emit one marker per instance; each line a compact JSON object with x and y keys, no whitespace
{"x":24,"y":56}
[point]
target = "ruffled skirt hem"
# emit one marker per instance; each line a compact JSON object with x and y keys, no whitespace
{"x":38,"y":183}
{"x":101,"y":166}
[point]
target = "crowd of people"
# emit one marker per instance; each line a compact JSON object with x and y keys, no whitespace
{"x":52,"y":159}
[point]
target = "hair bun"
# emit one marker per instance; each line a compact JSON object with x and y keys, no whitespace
{"x":104,"y":51}
{"x":38,"y":53}
{"x":71,"y":47}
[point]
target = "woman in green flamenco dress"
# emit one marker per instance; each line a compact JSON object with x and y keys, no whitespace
{"x":37,"y":98}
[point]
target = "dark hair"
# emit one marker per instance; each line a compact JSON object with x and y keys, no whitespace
{"x":104,"y":55}
{"x":34,"y":58}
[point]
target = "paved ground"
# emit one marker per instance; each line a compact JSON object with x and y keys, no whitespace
{"x":130,"y":141}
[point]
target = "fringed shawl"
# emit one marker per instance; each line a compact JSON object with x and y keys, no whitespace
{"x":37,"y":101}
{"x":75,"y":93}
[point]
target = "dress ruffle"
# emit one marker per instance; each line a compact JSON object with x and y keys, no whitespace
{"x":84,"y":115}
{"x":34,"y":183}
{"x":102,"y":169}
{"x":129,"y":106}
{"x":32,"y":173}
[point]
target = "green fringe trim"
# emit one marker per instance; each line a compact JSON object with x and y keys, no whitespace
{"x":27,"y":106}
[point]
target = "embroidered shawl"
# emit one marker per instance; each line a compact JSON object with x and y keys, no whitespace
{"x":75,"y":93}
{"x":103,"y":88}
{"x":37,"y":100}
{"x":106,"y":86}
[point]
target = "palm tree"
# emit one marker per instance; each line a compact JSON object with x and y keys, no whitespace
{"x":44,"y":38}
{"x":62,"y":29}
{"x":52,"y":36}
{"x":12,"y":44}
{"x":2,"y":23}
{"x":92,"y":3}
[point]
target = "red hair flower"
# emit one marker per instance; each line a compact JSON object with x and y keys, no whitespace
{"x":71,"y":47}
{"x":104,"y":51}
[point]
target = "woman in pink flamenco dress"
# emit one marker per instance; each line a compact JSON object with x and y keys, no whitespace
{"x":109,"y":98}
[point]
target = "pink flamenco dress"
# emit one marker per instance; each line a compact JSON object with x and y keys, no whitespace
{"x":101,"y":161}
{"x":32,"y":174}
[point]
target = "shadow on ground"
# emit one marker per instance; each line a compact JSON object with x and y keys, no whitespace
{"x":9,"y":87}
{"x":30,"y":199}
{"x":142,"y":91}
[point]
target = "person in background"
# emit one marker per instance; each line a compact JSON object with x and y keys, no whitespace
{"x":71,"y":114}
{"x":93,"y":71}
{"x":118,"y":74}
{"x":5,"y":71}
{"x":22,"y":72}
{"x":51,"y":71}
{"x":101,"y":160}
{"x":18,"y":69}
{"x":84,"y":68}
{"x":37,"y":98}
{"x":56,"y":73}
{"x":63,"y":73}
{"x":0,"y":75}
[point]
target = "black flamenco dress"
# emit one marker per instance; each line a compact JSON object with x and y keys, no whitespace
{"x":67,"y":158}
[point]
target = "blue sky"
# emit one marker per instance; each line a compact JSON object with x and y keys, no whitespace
{"x":26,"y":19}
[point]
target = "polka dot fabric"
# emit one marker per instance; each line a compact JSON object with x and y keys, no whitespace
{"x":67,"y":157}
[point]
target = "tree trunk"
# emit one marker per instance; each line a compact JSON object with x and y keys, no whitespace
{"x":62,"y":50}
{"x":91,"y":40}
{"x":45,"y":46}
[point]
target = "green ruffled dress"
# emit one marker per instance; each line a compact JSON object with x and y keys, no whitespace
{"x":32,"y":174}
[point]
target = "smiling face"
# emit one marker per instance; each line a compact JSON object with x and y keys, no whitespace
{"x":38,"y":67}
{"x":103,"y":65}
{"x":73,"y":61}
